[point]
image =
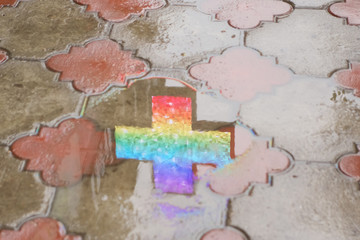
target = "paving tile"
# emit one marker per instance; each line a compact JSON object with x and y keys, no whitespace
{"x":227,"y":233}
{"x":350,"y":9}
{"x":22,"y":193}
{"x":99,"y":207}
{"x":7,"y":3}
{"x":52,"y":26}
{"x":244,"y":14}
{"x":311,"y":3}
{"x":240,"y":73}
{"x":252,"y":165}
{"x":64,"y":154}
{"x":350,"y":165}
{"x":310,"y":42}
{"x":39,"y":229}
{"x":29,"y":95}
{"x":3,"y":56}
{"x":310,"y":202}
{"x":118,"y":11}
{"x":309,"y":117}
{"x":350,"y":78}
{"x":169,"y":43}
{"x":98,"y":65}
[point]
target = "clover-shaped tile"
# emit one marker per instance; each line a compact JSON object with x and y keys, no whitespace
{"x":167,"y":42}
{"x":313,"y":201}
{"x":39,"y":229}
{"x":255,"y":160}
{"x":350,"y":9}
{"x":4,"y":3}
{"x":97,"y":66}
{"x":310,"y":41}
{"x":3,"y":56}
{"x":350,"y":165}
{"x":240,"y":73}
{"x":313,"y":113}
{"x":245,"y":14}
{"x":66,"y":153}
{"x":118,"y":11}
{"x":350,"y":78}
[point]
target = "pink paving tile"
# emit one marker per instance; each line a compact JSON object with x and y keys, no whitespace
{"x":240,"y":73}
{"x":350,"y":78}
{"x":66,"y":153}
{"x":245,"y":14}
{"x":39,"y":229}
{"x":117,"y":11}
{"x":350,"y":165}
{"x":7,"y":3}
{"x":3,"y":56}
{"x":96,"y":66}
{"x":253,"y":166}
{"x":223,"y":234}
{"x":349,"y":9}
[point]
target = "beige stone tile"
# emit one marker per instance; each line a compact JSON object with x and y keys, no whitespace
{"x":312,"y":3}
{"x":39,"y":27}
{"x":311,"y":42}
{"x":29,"y":95}
{"x":168,"y":37}
{"x":22,"y":194}
{"x":310,"y":202}
{"x":309,"y":117}
{"x":99,"y":207}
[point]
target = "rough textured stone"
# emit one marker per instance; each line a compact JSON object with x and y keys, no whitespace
{"x":52,"y":26}
{"x":22,"y":193}
{"x":309,"y":117}
{"x":166,"y":41}
{"x":29,"y":95}
{"x":312,"y":42}
{"x":99,"y":207}
{"x":310,"y":202}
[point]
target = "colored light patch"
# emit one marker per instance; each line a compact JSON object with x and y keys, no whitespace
{"x":171,"y":211}
{"x":172,"y":145}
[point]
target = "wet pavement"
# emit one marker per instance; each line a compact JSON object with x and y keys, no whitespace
{"x":179,"y":119}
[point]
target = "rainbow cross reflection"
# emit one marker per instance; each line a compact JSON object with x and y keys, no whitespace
{"x":172,"y":145}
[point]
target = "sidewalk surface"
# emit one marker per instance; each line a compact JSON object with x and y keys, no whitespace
{"x":179,"y":120}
